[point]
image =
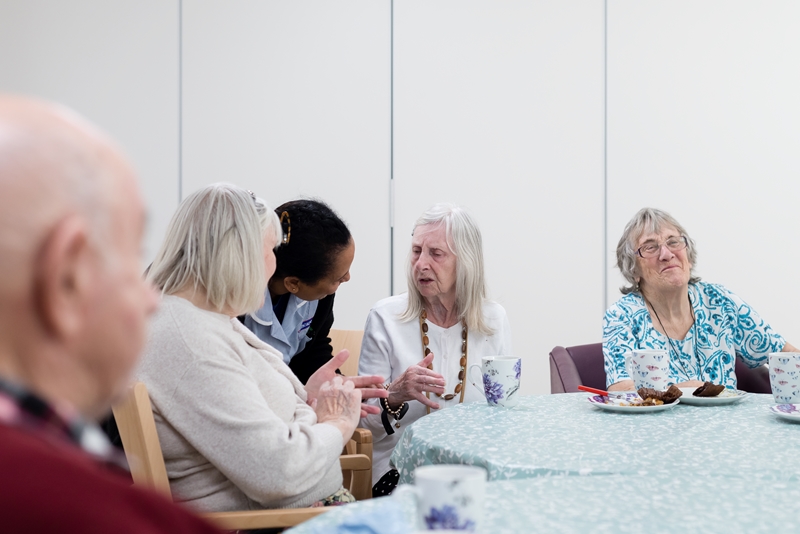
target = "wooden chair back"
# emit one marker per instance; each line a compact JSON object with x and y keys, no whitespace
{"x":137,"y":428}
{"x":350,"y":340}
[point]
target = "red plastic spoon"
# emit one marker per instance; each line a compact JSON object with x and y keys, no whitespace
{"x":593,"y":390}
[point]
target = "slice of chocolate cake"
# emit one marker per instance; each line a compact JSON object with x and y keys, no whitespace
{"x":667,"y":397}
{"x":708,"y":390}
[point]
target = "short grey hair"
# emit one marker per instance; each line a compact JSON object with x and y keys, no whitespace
{"x":650,"y":221}
{"x":215,"y":241}
{"x":465,"y":242}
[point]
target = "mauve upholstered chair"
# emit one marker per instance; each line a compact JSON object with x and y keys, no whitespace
{"x":583,"y":364}
{"x":572,"y":366}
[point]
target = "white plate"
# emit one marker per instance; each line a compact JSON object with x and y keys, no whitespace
{"x":790,"y":412}
{"x":728,"y":396}
{"x":614,"y":404}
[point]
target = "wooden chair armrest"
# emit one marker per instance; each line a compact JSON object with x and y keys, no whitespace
{"x":356,"y":462}
{"x":362,"y":435}
{"x":251,"y":519}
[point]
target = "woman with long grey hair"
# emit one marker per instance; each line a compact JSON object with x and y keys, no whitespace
{"x":704,"y":327}
{"x":425,"y":340}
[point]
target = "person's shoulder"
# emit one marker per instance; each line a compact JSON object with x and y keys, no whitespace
{"x":181,"y":334}
{"x":493,"y":310}
{"x":395,"y":304}
{"x":176,"y":313}
{"x":712,"y":291}
{"x":625,"y":305}
{"x":183,"y":313}
{"x":707,"y":287}
{"x":74,"y":479}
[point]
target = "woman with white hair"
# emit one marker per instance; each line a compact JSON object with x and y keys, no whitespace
{"x":704,"y":327}
{"x":425,"y":340}
{"x":235,"y":424}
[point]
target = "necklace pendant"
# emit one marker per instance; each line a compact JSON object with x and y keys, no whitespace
{"x":397,"y":424}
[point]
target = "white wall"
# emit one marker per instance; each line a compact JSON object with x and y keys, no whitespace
{"x":292,"y":99}
{"x":499,"y":105}
{"x":115,"y":63}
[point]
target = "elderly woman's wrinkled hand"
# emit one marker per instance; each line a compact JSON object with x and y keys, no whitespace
{"x":338,"y":404}
{"x":371,"y":386}
{"x":414,"y":382}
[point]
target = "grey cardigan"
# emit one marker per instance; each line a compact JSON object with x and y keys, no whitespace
{"x":232,"y":418}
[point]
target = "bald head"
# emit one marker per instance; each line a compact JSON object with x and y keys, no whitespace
{"x":52,"y":163}
{"x":71,"y":222}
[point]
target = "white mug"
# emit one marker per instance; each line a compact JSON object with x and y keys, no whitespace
{"x":784,"y":377}
{"x":500,"y":384}
{"x":448,"y":496}
{"x":649,"y":369}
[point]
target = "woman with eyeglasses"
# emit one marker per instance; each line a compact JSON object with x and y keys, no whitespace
{"x":704,"y":327}
{"x":313,"y":259}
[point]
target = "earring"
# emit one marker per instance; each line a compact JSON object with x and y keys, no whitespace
{"x":287,"y":235}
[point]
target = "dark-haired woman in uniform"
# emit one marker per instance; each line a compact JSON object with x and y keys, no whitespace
{"x":312,"y":261}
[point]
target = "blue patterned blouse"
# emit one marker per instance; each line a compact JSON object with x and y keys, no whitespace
{"x":725,"y":327}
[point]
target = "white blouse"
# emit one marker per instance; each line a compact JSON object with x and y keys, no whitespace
{"x":391,"y":346}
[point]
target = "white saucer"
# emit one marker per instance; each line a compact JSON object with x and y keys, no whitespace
{"x":619,"y":404}
{"x":789,"y":412}
{"x":727,"y":396}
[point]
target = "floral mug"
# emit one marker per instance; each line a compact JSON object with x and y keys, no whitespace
{"x":649,"y":369}
{"x":448,"y":497}
{"x":500,"y":379}
{"x":784,"y":377}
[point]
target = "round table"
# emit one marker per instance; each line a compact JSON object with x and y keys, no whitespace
{"x":564,"y":434}
{"x":613,"y":504}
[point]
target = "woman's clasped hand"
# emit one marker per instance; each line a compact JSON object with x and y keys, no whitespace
{"x":338,"y":403}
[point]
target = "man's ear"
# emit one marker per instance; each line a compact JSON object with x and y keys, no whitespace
{"x":292,"y":284}
{"x":62,"y":277}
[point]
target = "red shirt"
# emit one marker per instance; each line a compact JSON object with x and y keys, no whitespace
{"x":48,"y":484}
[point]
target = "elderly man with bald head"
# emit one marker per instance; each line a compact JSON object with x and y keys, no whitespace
{"x":73,"y":313}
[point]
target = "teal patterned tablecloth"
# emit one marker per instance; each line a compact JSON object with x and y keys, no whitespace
{"x":612,"y":504}
{"x":564,"y":434}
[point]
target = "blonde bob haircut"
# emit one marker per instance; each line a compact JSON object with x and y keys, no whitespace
{"x":215,"y":242}
{"x":648,"y":221}
{"x":465,"y":242}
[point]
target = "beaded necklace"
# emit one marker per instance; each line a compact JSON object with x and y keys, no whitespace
{"x":462,"y":374}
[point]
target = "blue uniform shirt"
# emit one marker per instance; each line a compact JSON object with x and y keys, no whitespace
{"x":288,"y":336}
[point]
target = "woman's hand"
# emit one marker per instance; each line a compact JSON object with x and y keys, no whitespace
{"x":413,"y":384}
{"x":371,"y":387}
{"x":627,"y":385}
{"x":622,"y":385}
{"x":339,"y":404}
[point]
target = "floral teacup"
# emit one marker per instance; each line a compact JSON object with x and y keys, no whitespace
{"x":500,"y":379}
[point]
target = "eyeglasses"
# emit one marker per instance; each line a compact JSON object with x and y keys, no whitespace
{"x":652,"y":249}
